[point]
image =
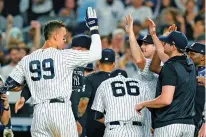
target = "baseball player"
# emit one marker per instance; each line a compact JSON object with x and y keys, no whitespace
{"x":202,"y":132}
{"x":5,"y":113}
{"x":173,"y":107}
{"x":83,"y":100}
{"x":79,"y":42}
{"x":196,"y":52}
{"x":142,"y":51}
{"x":106,"y":65}
{"x":7,"y":128}
{"x":48,"y":73}
{"x":114,"y":104}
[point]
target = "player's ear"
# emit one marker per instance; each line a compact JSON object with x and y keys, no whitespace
{"x":202,"y":58}
{"x":114,"y":64}
{"x":55,"y":36}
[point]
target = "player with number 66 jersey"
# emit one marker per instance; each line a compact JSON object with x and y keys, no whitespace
{"x":115,"y":102}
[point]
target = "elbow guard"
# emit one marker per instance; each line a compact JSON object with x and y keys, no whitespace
{"x":9,"y":85}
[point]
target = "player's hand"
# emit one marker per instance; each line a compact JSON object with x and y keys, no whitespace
{"x":180,"y":19}
{"x":79,"y":128}
{"x":35,"y":24}
{"x":10,"y":19}
{"x":8,"y":133}
{"x":202,"y":132}
{"x":171,"y":28}
{"x":19,"y":104}
{"x":91,"y":19}
{"x":4,"y":98}
{"x":152,"y":26}
{"x":201,"y":81}
{"x":152,"y":131}
{"x":129,"y":24}
{"x":139,"y":107}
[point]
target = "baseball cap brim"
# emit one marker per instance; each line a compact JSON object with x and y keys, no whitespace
{"x":189,"y":49}
{"x":165,"y":39}
{"x":141,"y":41}
{"x":88,"y":69}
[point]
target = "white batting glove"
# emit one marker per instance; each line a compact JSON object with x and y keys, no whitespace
{"x":8,"y":133}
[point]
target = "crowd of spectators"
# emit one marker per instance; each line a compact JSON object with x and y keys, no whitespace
{"x":22,"y":22}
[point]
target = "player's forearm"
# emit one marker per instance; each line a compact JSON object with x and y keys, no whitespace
{"x":37,"y":38}
{"x":101,"y":120}
{"x":95,"y":48}
{"x":158,"y":102}
{"x":182,"y":28}
{"x":9,"y":124}
{"x":160,"y":49}
{"x":5,"y":117}
{"x":136,"y":51}
{"x":26,"y":93}
{"x":155,"y":64}
{"x":10,"y":85}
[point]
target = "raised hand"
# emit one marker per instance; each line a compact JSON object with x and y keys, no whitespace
{"x":129,"y":24}
{"x":171,"y":28}
{"x":91,"y":19}
{"x":35,"y":24}
{"x":152,"y":26}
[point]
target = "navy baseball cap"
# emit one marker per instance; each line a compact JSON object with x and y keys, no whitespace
{"x":108,"y":55}
{"x":176,"y":38}
{"x":83,"y":41}
{"x":147,"y":39}
{"x":118,"y":72}
{"x":89,"y":67}
{"x":196,"y":47}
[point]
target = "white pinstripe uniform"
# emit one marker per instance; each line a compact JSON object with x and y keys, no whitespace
{"x":150,"y":80}
{"x":118,"y":97}
{"x":48,"y":73}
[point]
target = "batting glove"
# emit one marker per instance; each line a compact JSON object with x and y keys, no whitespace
{"x":8,"y":133}
{"x":91,"y":19}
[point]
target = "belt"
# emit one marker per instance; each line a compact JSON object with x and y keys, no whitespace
{"x":136,"y":123}
{"x":57,"y":100}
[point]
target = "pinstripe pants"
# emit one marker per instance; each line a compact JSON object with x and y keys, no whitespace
{"x":127,"y":130}
{"x":148,"y":124}
{"x":53,"y":120}
{"x":175,"y":130}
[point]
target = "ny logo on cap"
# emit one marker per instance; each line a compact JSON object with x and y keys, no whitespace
{"x":145,"y":37}
{"x":192,"y":44}
{"x":106,"y":58}
{"x":173,"y":42}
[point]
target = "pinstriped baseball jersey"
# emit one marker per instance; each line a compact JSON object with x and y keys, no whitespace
{"x":48,"y":72}
{"x":118,"y":97}
{"x":150,"y":80}
{"x":146,"y":74}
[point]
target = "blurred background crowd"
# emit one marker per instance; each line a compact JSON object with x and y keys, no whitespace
{"x":22,"y":22}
